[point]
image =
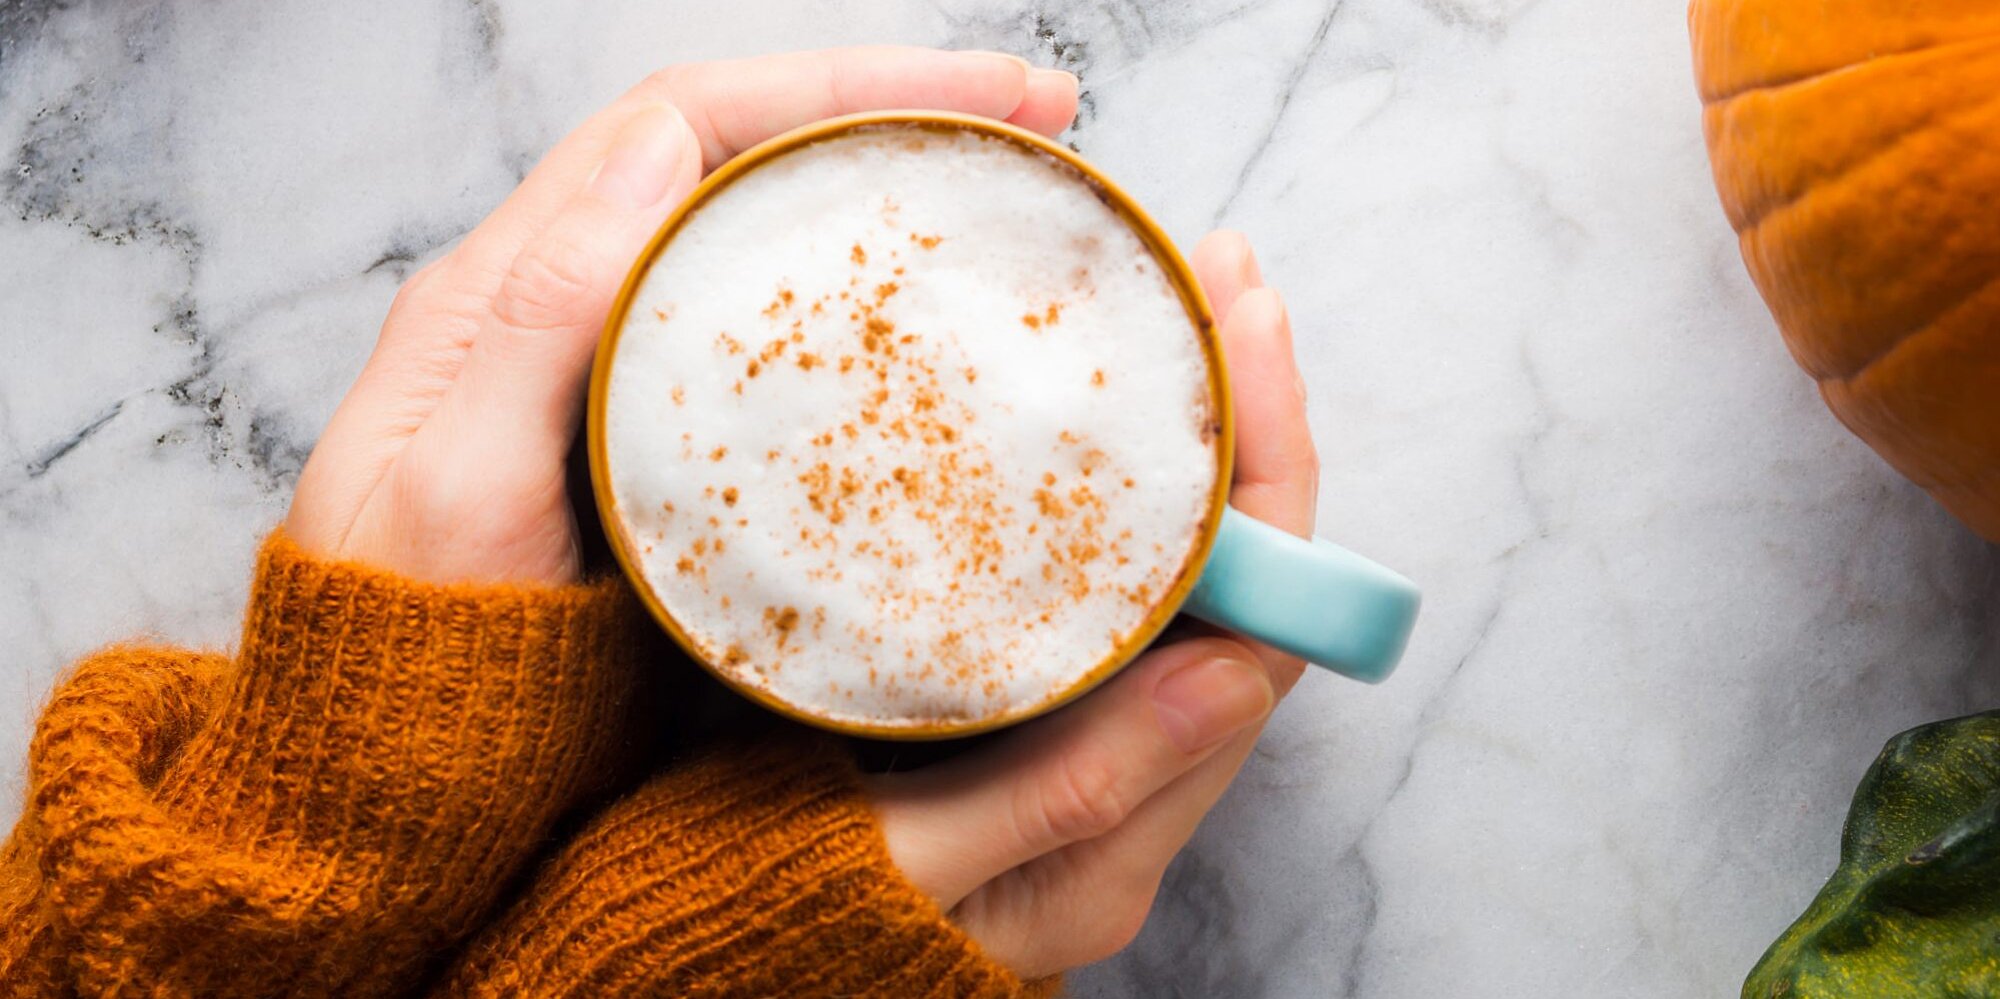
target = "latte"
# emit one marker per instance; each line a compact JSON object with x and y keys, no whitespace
{"x":907,"y":427}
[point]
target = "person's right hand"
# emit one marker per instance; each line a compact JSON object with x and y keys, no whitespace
{"x":446,"y":460}
{"x":1048,"y":845}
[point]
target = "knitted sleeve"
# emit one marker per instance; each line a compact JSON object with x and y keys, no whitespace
{"x":328,"y":813}
{"x":749,"y":871}
{"x":366,"y":786}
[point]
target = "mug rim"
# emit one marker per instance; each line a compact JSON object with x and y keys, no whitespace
{"x":1178,"y":273}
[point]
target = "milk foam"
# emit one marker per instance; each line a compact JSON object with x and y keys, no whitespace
{"x":907,"y":426}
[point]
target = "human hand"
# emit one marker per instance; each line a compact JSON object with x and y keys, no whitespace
{"x":446,"y":460}
{"x":1048,"y":846}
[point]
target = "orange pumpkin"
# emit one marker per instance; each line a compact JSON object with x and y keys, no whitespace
{"x":1856,"y":145}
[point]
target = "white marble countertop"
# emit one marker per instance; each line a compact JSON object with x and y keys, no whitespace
{"x":1673,"y":609}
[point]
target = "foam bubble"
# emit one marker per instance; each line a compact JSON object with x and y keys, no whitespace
{"x":907,"y":426}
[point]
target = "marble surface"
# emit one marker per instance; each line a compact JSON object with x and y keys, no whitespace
{"x":1673,"y":607}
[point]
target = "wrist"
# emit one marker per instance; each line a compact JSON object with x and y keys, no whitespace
{"x":349,"y":675}
{"x":752,"y":870}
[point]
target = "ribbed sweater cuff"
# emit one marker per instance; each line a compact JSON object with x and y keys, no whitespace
{"x":383,"y":757}
{"x":752,"y":871}
{"x":363,"y":700}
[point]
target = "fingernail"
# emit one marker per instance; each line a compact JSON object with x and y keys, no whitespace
{"x":1253,"y":274}
{"x":1204,"y":703}
{"x":1061,"y":76}
{"x":640,"y":168}
{"x":992,"y":54}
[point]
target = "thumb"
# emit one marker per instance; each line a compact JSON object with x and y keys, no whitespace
{"x":1072,"y":776}
{"x":527,"y":372}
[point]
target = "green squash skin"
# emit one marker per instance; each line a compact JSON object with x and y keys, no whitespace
{"x":1913,"y":909}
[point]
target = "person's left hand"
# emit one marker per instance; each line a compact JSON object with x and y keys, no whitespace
{"x":446,"y":460}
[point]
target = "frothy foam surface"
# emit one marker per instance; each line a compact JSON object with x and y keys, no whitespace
{"x":907,"y":426}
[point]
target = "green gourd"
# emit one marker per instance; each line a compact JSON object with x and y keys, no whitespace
{"x":1913,"y":909}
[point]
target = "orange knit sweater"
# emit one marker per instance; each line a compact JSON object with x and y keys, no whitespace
{"x":405,"y":789}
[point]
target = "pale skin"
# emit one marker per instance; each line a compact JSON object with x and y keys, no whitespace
{"x":446,"y":462}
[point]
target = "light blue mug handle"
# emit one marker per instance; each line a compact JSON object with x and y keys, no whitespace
{"x":1313,"y":599}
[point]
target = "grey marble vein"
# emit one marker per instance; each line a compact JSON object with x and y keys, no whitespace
{"x":1672,"y":607}
{"x":1279,"y":105}
{"x":39,"y":464}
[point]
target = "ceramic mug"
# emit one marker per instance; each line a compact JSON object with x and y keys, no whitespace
{"x":1310,"y":598}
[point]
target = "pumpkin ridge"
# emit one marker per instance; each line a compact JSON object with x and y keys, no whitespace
{"x":1873,"y":57}
{"x":1894,"y":144}
{"x":1857,"y":169}
{"x":1915,"y":330}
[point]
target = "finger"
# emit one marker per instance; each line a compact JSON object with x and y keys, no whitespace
{"x":1088,"y":900}
{"x":1050,"y":915}
{"x":1072,"y":776}
{"x":1276,"y":479}
{"x":1049,"y":105}
{"x":1226,"y":268}
{"x":1277,"y":468}
{"x":524,"y":379}
{"x":736,"y":104}
{"x":436,"y":318}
